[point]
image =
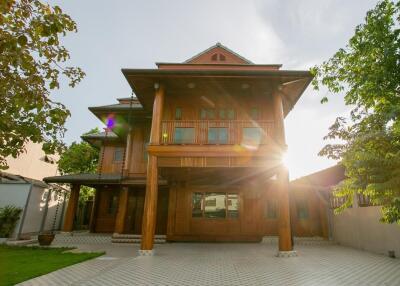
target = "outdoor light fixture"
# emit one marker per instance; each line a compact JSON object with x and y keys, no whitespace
{"x":191,"y":85}
{"x":245,"y":85}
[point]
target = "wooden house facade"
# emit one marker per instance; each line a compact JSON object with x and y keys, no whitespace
{"x":196,"y":154}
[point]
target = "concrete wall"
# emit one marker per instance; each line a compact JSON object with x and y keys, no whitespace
{"x":17,"y":194}
{"x":360,"y":228}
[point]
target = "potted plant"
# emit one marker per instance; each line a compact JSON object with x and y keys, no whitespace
{"x":45,"y":239}
{"x":9,"y":216}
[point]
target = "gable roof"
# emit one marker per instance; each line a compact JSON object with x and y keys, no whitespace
{"x":217,"y":47}
{"x":325,"y":178}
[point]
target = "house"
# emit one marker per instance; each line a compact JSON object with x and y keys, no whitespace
{"x":196,"y":154}
{"x":358,"y":226}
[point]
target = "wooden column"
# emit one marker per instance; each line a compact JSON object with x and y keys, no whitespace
{"x":122,"y":210}
{"x":150,"y":202}
{"x":285,"y":234}
{"x":71,"y":208}
{"x":128,"y":152}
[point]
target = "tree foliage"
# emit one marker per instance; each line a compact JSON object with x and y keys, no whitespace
{"x":32,"y":63}
{"x":80,"y":158}
{"x":367,"y":71}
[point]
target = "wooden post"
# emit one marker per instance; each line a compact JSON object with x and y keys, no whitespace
{"x":150,"y":202}
{"x":127,"y":152}
{"x":122,"y":210}
{"x":285,"y":234}
{"x":71,"y":208}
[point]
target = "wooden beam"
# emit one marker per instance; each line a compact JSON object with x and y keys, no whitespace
{"x":122,"y":210}
{"x":71,"y":208}
{"x":150,"y":202}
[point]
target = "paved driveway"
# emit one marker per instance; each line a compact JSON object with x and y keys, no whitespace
{"x":229,"y":264}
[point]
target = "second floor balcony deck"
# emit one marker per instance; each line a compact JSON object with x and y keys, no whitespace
{"x":216,"y":132}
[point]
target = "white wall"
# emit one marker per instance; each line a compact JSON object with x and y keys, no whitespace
{"x":16,"y":194}
{"x":360,"y":228}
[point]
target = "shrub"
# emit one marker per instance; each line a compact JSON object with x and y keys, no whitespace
{"x":9,"y":216}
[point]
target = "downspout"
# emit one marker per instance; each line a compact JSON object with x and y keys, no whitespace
{"x":46,"y":208}
{"x":21,"y":225}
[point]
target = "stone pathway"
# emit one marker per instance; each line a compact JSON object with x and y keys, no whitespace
{"x":229,"y":264}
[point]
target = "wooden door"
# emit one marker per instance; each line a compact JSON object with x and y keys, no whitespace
{"x":107,"y":210}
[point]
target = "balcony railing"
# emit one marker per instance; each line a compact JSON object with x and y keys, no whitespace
{"x":249,"y":132}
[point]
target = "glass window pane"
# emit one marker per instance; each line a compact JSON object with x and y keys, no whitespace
{"x":118,"y":154}
{"x":252,"y":136}
{"x":210,"y":114}
{"x":197,"y":205}
{"x":233,"y":205}
{"x":222,"y":114}
{"x":254,"y":113}
{"x":214,"y":205}
{"x":212,"y":135}
{"x":184,"y":135}
{"x":223,"y":135}
{"x":178,"y":113}
{"x":302,"y":209}
{"x":203,"y":114}
{"x":231,"y":114}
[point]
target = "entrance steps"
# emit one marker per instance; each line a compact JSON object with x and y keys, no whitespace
{"x":135,"y":238}
{"x":314,"y":240}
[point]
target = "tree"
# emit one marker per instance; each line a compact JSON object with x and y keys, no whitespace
{"x":80,"y":158}
{"x":31,"y":65}
{"x":367,"y":71}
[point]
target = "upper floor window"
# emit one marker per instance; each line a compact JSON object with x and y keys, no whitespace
{"x":214,"y":57}
{"x":218,"y":135}
{"x":252,"y":136}
{"x":178,"y":113}
{"x":222,"y":114}
{"x":118,"y":154}
{"x":255,"y":113}
{"x":184,"y":135}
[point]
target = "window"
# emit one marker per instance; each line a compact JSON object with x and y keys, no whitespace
{"x":218,"y":205}
{"x":113,"y":204}
{"x":178,"y":113}
{"x":272,"y":209}
{"x":302,"y":209}
{"x":230,"y":114}
{"x":214,"y":205}
{"x":197,"y":205}
{"x":223,"y":114}
{"x":254,"y":113}
{"x":184,"y":135}
{"x":252,"y":136}
{"x":214,"y":57}
{"x":217,"y":135}
{"x":118,"y":154}
{"x":222,"y":57}
{"x":233,"y":205}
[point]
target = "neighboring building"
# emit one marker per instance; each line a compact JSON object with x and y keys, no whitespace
{"x":358,"y":226}
{"x":196,"y":155}
{"x":22,"y":186}
{"x":42,"y":206}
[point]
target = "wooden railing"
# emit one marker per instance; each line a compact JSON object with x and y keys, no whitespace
{"x":234,"y":131}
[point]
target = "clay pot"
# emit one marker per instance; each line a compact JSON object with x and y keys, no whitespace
{"x":45,"y":239}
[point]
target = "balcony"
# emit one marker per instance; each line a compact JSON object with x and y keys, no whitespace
{"x":216,"y":132}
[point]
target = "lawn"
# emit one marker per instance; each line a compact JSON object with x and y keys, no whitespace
{"x":19,"y":263}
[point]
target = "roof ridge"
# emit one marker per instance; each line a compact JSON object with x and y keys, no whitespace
{"x":219,"y":45}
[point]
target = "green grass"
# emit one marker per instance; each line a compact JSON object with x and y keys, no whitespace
{"x":20,"y":263}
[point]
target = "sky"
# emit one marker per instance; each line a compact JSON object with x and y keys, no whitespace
{"x":136,"y":34}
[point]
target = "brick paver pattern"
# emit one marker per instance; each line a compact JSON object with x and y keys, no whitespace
{"x":231,"y":264}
